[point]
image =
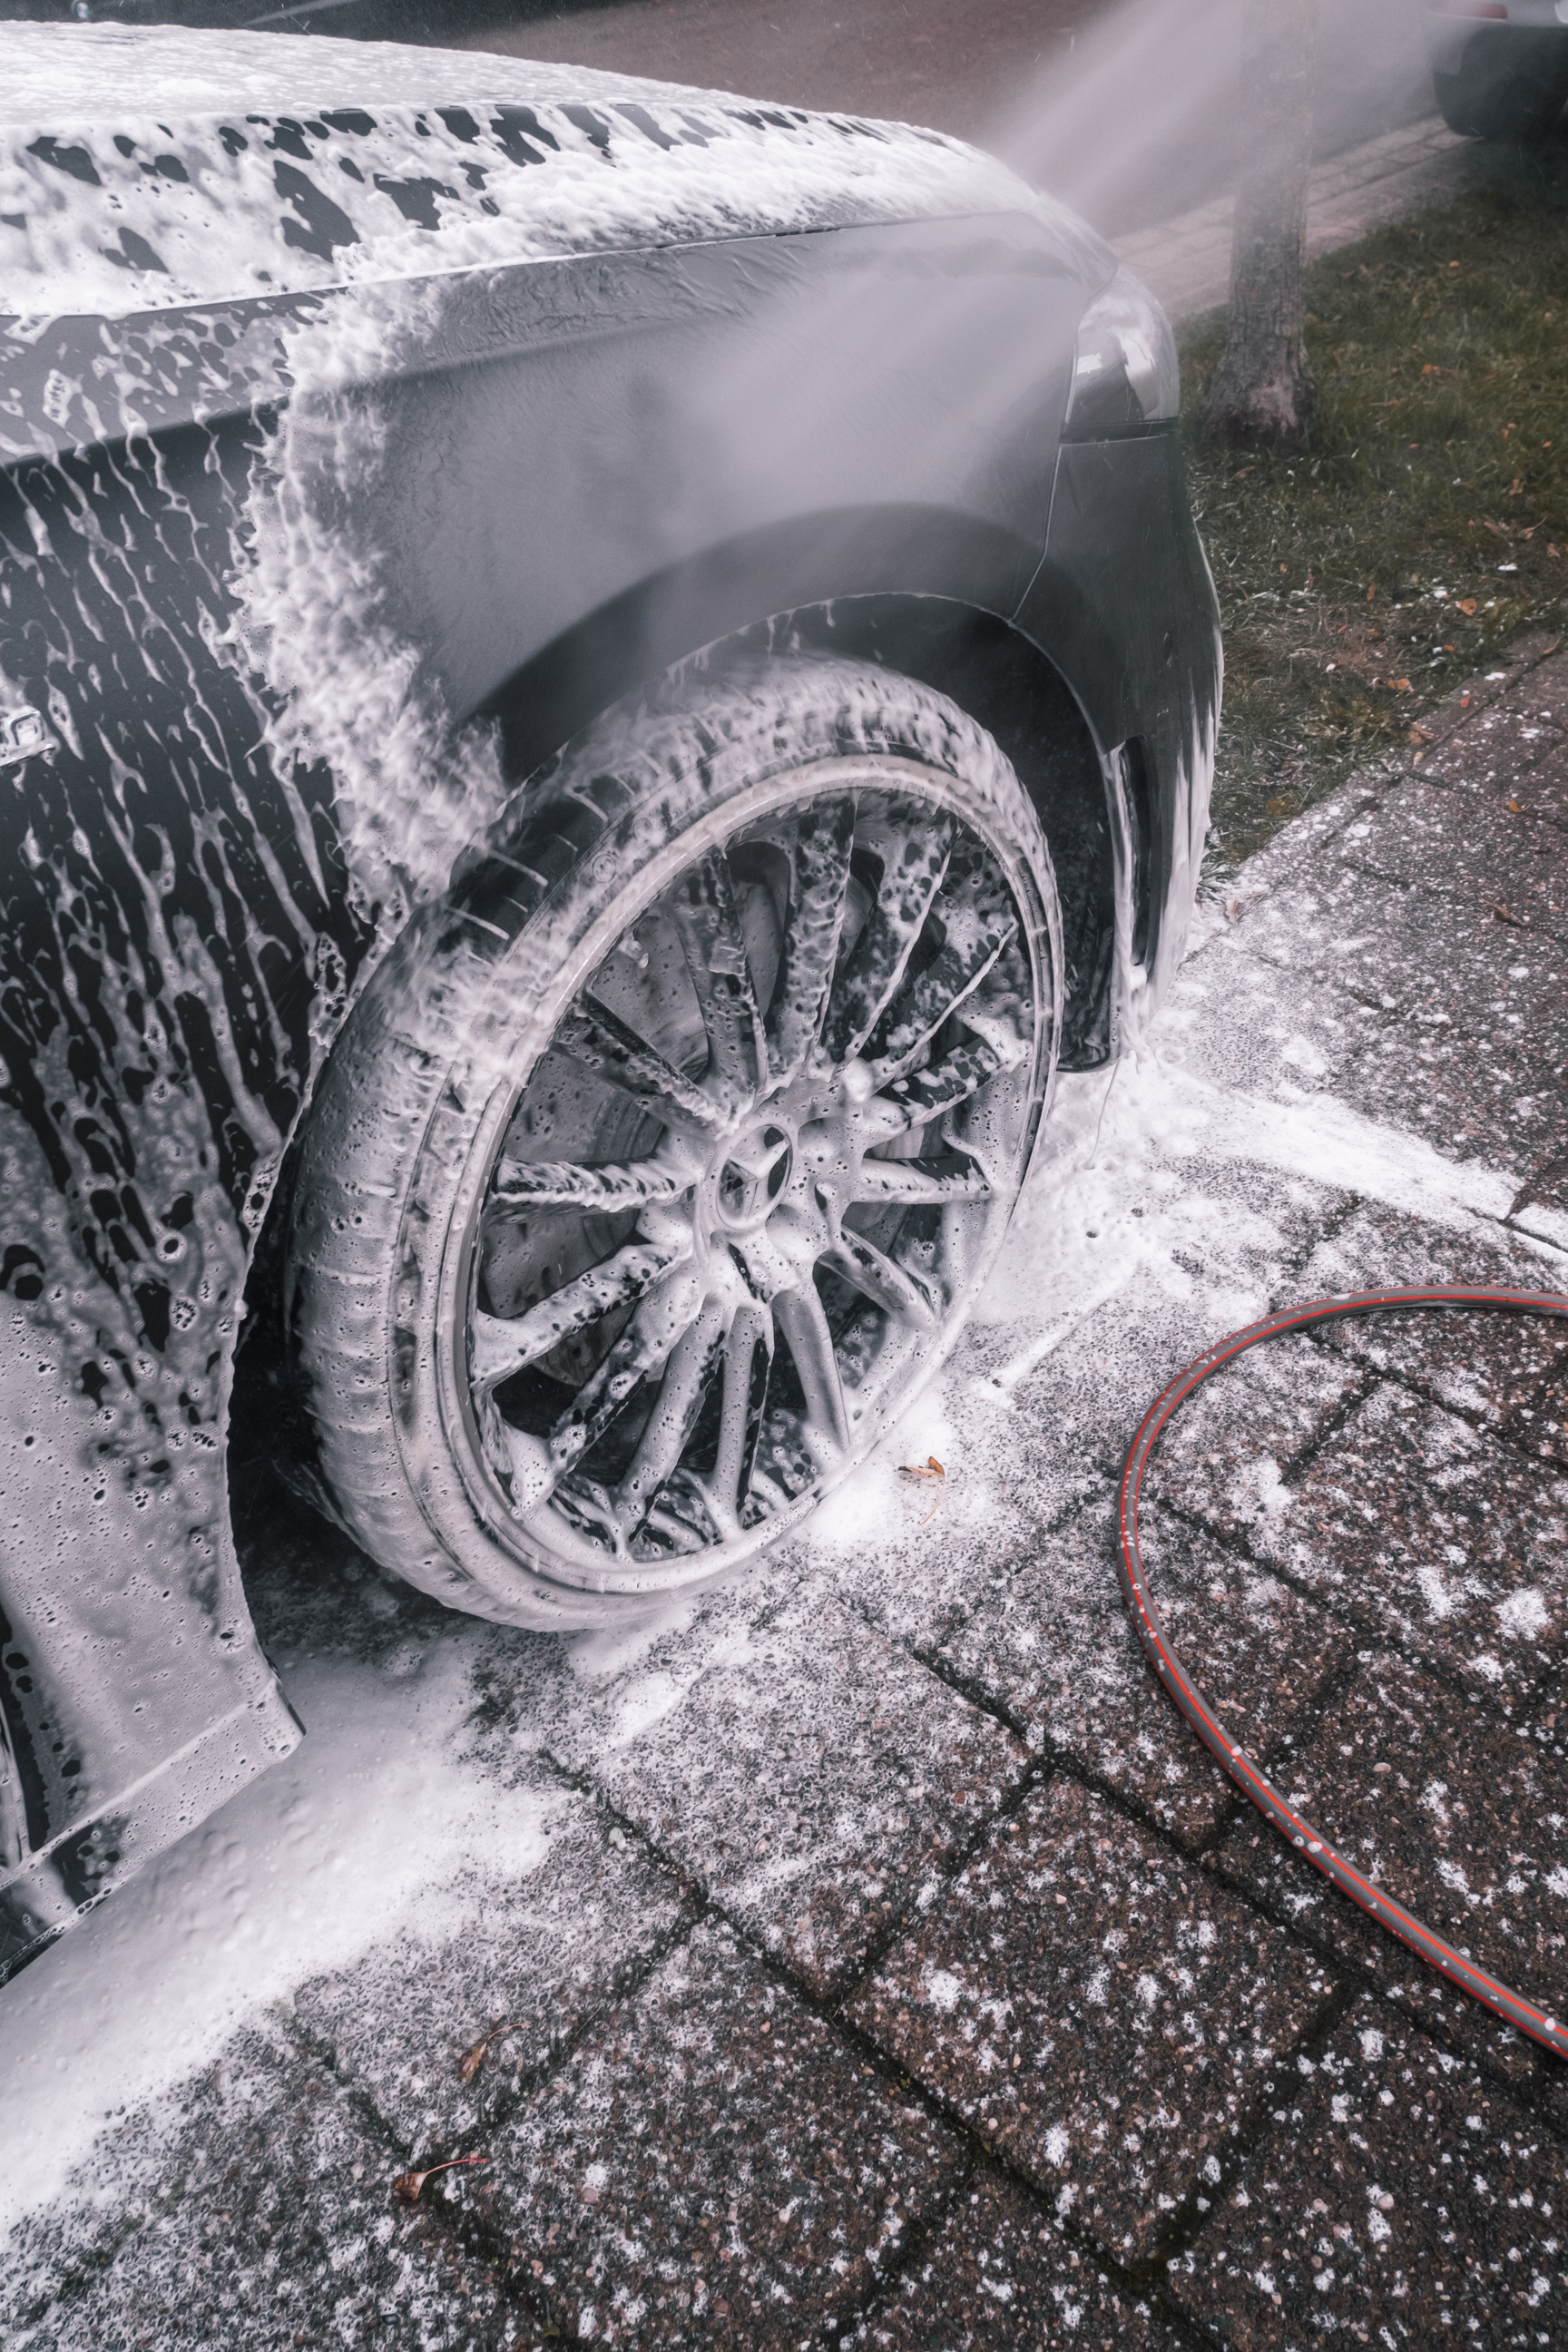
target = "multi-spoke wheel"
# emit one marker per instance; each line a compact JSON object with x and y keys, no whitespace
{"x":661,"y":1164}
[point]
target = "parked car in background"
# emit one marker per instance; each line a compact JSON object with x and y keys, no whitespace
{"x":598,"y":684}
{"x":1500,"y":67}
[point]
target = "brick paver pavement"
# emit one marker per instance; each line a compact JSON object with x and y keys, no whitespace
{"x":900,"y":1972}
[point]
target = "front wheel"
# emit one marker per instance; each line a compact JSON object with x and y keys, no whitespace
{"x":1499,"y":106}
{"x":661,"y":1165}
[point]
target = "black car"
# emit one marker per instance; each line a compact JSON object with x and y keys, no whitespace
{"x":1499,"y":67}
{"x":598,"y":684}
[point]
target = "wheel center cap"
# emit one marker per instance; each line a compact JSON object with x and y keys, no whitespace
{"x":752,"y":1178}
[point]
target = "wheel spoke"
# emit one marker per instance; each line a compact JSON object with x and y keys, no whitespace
{"x":602,"y":1041}
{"x":799,"y":1316}
{"x":745,"y":1398}
{"x":823,"y":839}
{"x":524,"y":1185}
{"x":915,"y":1184}
{"x":890,"y":1286}
{"x":899,"y":1038}
{"x":921,"y":1097}
{"x":655,"y":1329}
{"x":766,"y":1268}
{"x":691,"y":1366}
{"x":709,"y":923}
{"x":916,"y":864}
{"x":502,"y":1346}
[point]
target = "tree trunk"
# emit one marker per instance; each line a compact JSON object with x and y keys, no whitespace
{"x":1263,"y":393}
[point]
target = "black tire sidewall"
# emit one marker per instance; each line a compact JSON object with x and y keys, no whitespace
{"x":421,"y":1084}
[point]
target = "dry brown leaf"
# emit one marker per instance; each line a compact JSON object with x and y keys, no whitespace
{"x":472,"y":2060}
{"x":930,"y":1468}
{"x":407,"y":2185}
{"x":1467,"y":605}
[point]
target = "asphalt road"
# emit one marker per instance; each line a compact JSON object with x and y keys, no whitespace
{"x":1127,"y":109}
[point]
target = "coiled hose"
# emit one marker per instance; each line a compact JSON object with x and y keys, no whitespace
{"x":1320,"y":1853}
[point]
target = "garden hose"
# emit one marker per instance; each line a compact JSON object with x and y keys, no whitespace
{"x":1269,"y":1800}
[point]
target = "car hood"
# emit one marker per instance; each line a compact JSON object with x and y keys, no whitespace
{"x":143,"y":168}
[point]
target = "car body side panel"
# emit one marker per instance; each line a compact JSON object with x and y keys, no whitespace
{"x":1124,"y":603}
{"x":265,"y":568}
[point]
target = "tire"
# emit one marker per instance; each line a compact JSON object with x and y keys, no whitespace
{"x":1478,"y":107}
{"x":658,"y":1165}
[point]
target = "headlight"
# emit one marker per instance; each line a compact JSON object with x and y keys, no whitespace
{"x":1125,"y":375}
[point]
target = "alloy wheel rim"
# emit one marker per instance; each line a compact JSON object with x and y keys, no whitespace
{"x":743,"y":1197}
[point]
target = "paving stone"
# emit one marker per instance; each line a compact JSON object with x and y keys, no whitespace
{"x":1197,"y":1246}
{"x":1486,"y":1365}
{"x":1497,"y":754}
{"x":1383,"y":956}
{"x":1502,"y":1097}
{"x":810,"y":1779}
{"x":712,"y":2164}
{"x":536,"y":1956}
{"x":1099,"y":2013}
{"x":259,"y":2215}
{"x":918,"y":1585}
{"x":1222,"y":1455}
{"x":1425,"y":1531}
{"x":1248,"y":1024}
{"x":1255,"y":1856}
{"x":1541,"y":1429}
{"x":1456,"y":1814}
{"x":1452,"y":845}
{"x":1000,"y":2276}
{"x":1439,"y":963}
{"x":1053,"y":1644}
{"x":1402,"y":2200}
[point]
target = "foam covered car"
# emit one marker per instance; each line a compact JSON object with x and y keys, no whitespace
{"x":599,"y":685}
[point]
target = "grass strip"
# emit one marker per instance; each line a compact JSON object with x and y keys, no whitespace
{"x":1424,"y":527}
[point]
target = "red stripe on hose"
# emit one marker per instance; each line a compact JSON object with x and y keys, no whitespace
{"x":1323,"y":1856}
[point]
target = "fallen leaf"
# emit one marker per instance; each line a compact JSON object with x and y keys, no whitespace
{"x":472,"y":2060}
{"x":1467,"y":605}
{"x":1516,"y":808}
{"x":1420,"y":735}
{"x":1520,"y":922}
{"x":1400,"y":685}
{"x":930,"y":1468}
{"x":407,"y":2185}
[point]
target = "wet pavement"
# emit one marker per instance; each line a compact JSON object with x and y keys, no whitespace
{"x":891,"y":1968}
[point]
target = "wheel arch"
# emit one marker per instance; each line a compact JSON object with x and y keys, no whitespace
{"x":820,"y":584}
